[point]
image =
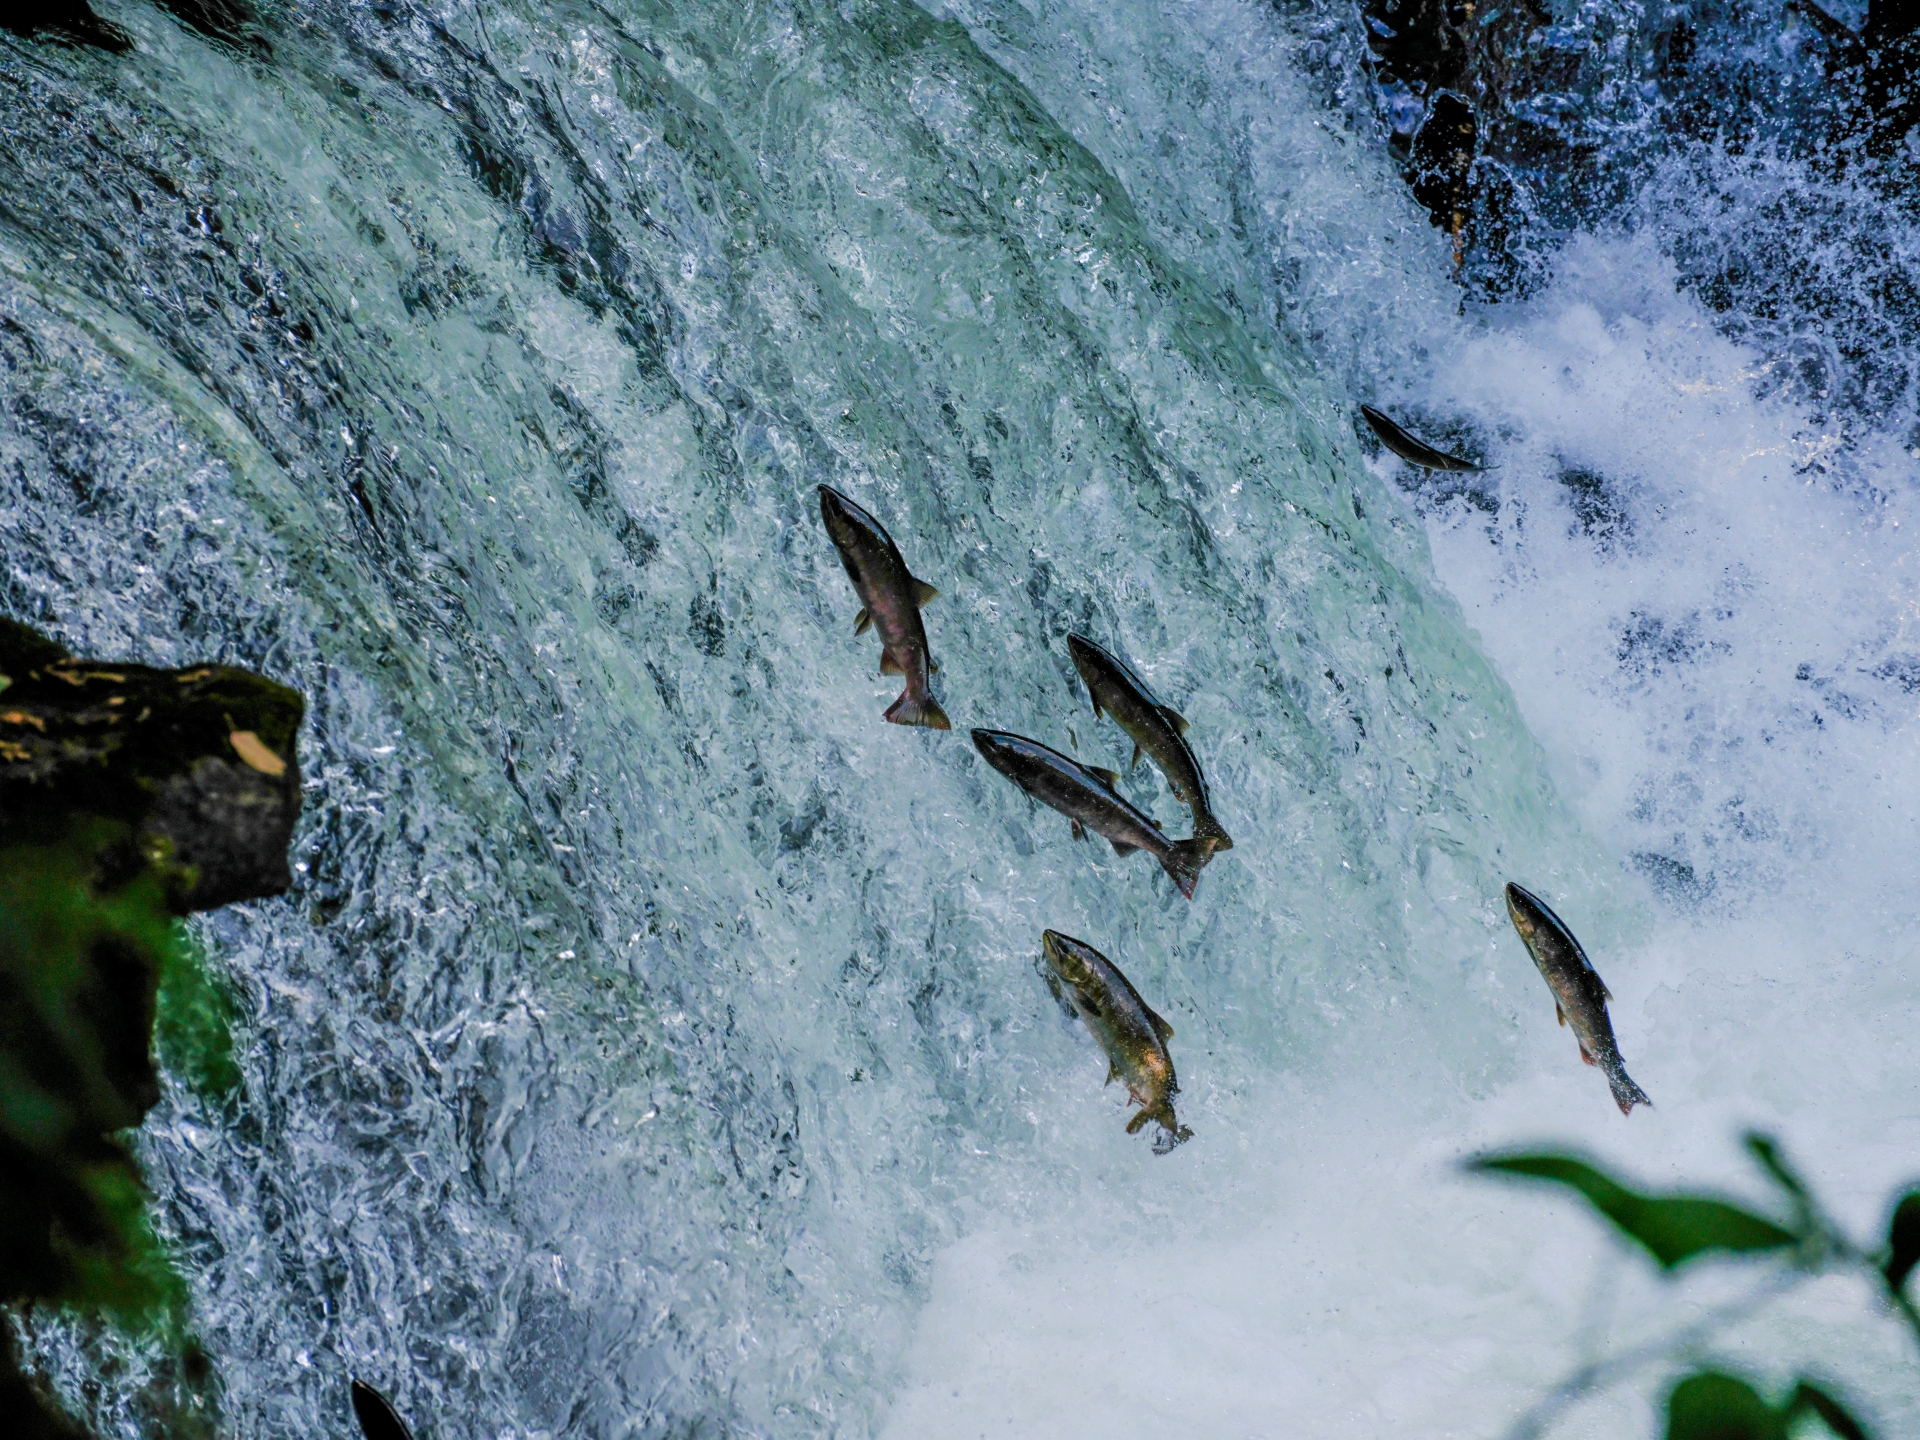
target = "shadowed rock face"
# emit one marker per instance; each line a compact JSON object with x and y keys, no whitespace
{"x":128,"y":796}
{"x":70,"y":22}
{"x":232,"y":23}
{"x":198,"y":763}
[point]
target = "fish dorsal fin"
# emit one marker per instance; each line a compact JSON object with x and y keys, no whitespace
{"x":1120,"y":847}
{"x":890,"y":664}
{"x":863,"y":622}
{"x":1160,"y":1027}
{"x":924,"y":594}
{"x":1605,"y":994}
{"x":1175,"y":719}
{"x":1558,"y":1013}
{"x":1107,"y":777}
{"x":1079,"y":830}
{"x":1134,"y":764}
{"x":933,"y":666}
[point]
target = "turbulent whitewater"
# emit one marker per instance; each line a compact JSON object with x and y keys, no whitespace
{"x":653,"y":1043}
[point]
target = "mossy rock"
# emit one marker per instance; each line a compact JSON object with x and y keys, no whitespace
{"x":199,"y":762}
{"x":130,"y":796}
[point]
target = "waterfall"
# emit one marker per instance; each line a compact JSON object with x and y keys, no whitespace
{"x":652,"y":1043}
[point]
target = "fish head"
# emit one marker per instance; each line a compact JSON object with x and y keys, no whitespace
{"x":1529,"y":916}
{"x":1068,"y":957}
{"x":1088,"y":657}
{"x":1000,"y":750}
{"x":841,"y":517}
{"x":1544,"y":931}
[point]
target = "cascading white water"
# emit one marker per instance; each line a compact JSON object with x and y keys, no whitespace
{"x":652,"y":1043}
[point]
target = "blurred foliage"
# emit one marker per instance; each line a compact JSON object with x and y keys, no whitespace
{"x":1676,"y":1227}
{"x":193,"y":1020}
{"x":79,"y":982}
{"x":1710,"y":1405}
{"x":1672,"y":1228}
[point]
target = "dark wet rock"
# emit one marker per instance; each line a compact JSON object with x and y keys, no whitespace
{"x":1515,"y":125}
{"x":232,"y":23}
{"x":1440,"y":165}
{"x":70,"y":22}
{"x":1874,"y":72}
{"x":1599,"y":507}
{"x":196,"y":766}
{"x":1675,"y":881}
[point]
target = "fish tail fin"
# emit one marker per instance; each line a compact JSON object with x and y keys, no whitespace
{"x":1209,"y":829}
{"x":1171,"y":1134}
{"x":1183,"y":862}
{"x":923,"y":709}
{"x":1626,"y":1094}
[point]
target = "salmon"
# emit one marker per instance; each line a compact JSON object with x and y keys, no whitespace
{"x":1087,"y":797}
{"x":1133,"y":1037}
{"x":1580,"y":996}
{"x":1157,"y":732}
{"x":890,"y":600}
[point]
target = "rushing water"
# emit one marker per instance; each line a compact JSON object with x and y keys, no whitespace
{"x":651,"y":1044}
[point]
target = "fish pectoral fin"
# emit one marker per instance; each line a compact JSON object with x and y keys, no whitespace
{"x":1120,"y":847}
{"x":1139,"y":1122}
{"x":863,"y":622}
{"x":1605,"y":994}
{"x":1160,"y":1027}
{"x":1134,"y":764}
{"x":1113,"y":1073}
{"x":1107,"y":777}
{"x":1098,"y":713}
{"x":923,"y":593}
{"x":1175,"y":719}
{"x":1079,"y":830}
{"x":890,"y":664}
{"x":933,"y":666}
{"x":1558,"y":1013}
{"x":1587,"y":1056}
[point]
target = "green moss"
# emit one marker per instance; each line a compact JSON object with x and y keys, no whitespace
{"x":193,"y":1020}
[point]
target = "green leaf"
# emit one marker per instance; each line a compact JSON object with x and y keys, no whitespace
{"x":1903,"y":1241}
{"x":1671,"y":1228}
{"x":1807,"y":1396}
{"x":1708,"y":1405}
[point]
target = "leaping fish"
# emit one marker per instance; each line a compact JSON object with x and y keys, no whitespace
{"x":1411,"y":450}
{"x":1086,"y":796}
{"x":1579,"y":994}
{"x":1155,"y":729}
{"x":1134,"y":1038}
{"x":890,"y":599}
